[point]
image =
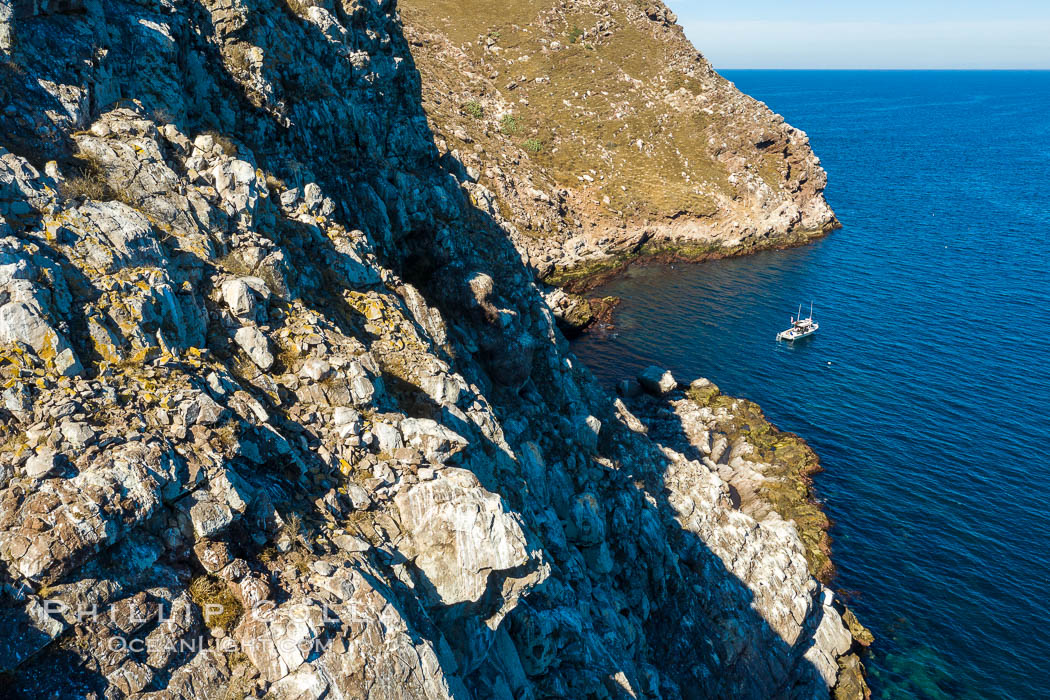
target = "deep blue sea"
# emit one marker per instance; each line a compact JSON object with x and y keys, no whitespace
{"x":926,"y":392}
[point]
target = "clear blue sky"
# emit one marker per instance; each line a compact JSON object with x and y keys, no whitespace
{"x":872,"y":34}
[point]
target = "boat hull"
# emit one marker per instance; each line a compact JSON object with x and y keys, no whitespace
{"x":790,"y":335}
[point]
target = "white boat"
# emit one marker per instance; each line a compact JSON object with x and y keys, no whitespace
{"x":800,"y":327}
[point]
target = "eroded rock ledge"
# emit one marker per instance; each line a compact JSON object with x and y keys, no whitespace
{"x":284,"y":413}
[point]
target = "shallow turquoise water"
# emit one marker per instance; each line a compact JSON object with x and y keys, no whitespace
{"x":926,"y":391}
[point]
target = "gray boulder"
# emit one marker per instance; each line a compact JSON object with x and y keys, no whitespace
{"x":6,"y":35}
{"x":460,"y":534}
{"x":657,"y":381}
{"x":256,"y":345}
{"x":77,"y":434}
{"x":242,"y":295}
{"x":354,"y":642}
{"x":434,"y":440}
{"x":204,"y":410}
{"x":387,"y":436}
{"x":238,"y":296}
{"x":22,"y":323}
{"x":126,"y":234}
{"x":42,"y":465}
{"x":209,"y":517}
{"x":316,"y":369}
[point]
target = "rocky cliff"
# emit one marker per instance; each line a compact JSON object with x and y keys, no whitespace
{"x":285,"y":413}
{"x":597,"y":129}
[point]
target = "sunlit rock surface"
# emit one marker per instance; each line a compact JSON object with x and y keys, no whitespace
{"x":284,"y":411}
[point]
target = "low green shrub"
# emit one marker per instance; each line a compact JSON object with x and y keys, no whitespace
{"x":533,"y":146}
{"x":510,"y":124}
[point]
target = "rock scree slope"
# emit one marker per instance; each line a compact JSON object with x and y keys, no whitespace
{"x":285,"y":413}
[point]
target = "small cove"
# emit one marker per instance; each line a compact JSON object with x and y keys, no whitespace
{"x":925,"y":392}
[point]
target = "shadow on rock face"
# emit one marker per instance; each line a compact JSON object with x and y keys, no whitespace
{"x":399,"y":457}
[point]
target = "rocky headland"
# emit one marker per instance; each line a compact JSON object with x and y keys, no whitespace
{"x":603,"y":138}
{"x":285,"y":412}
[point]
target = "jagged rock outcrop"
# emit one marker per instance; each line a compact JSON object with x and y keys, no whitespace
{"x":285,"y":414}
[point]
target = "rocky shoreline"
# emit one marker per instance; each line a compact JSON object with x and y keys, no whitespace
{"x":767,"y":471}
{"x":594,"y":159}
{"x":284,"y":413}
{"x":584,"y":277}
{"x":569,"y":293}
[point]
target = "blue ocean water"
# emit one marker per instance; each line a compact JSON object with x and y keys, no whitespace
{"x":926,"y":392}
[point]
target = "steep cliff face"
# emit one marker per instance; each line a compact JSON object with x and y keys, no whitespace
{"x":284,"y":412}
{"x":597,"y":128}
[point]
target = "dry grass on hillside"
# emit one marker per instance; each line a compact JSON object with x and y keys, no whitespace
{"x":597,"y":103}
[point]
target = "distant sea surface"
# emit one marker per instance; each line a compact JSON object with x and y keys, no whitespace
{"x":926,"y":392}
